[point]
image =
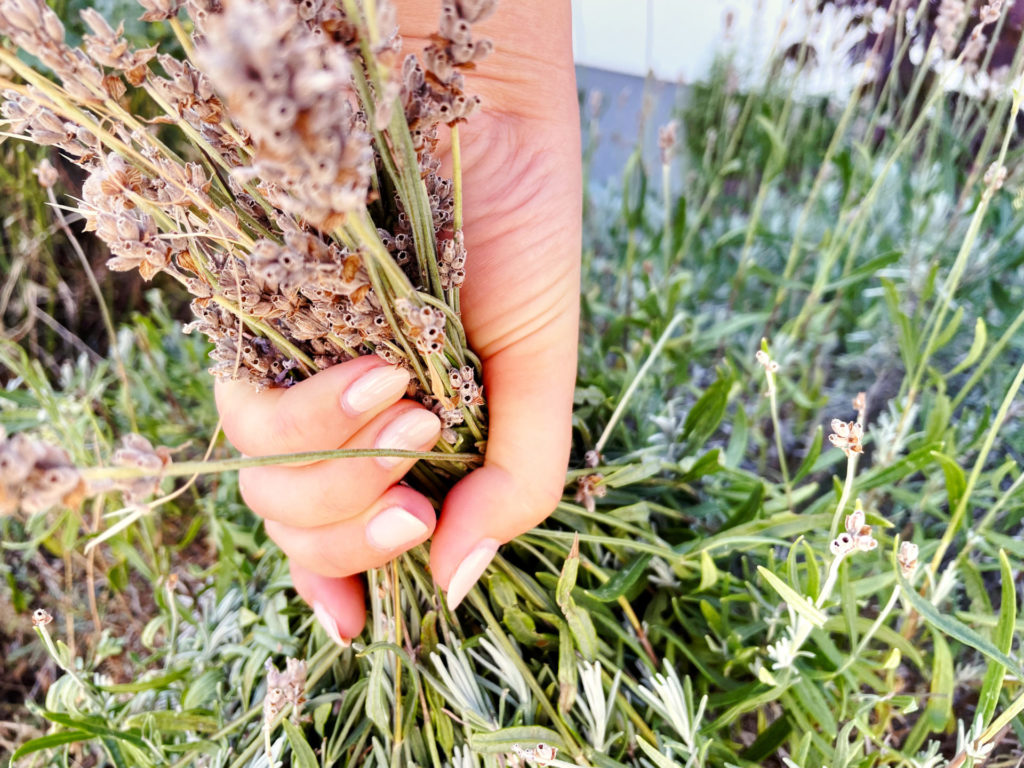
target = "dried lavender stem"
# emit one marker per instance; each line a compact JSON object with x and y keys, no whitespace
{"x":421,"y":217}
{"x":194,"y":136}
{"x":457,"y":213}
{"x":204,"y":467}
{"x":456,"y":177}
{"x":57,"y":97}
{"x":409,"y":184}
{"x":361,"y":231}
{"x":183,"y":39}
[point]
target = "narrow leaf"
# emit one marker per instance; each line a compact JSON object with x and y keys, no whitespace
{"x":977,"y":347}
{"x":794,"y":600}
{"x":619,"y":584}
{"x":49,"y":741}
{"x":955,"y":628}
{"x":302,"y":754}
{"x":992,"y":683}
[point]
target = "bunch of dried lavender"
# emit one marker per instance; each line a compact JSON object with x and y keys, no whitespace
{"x":306,"y":214}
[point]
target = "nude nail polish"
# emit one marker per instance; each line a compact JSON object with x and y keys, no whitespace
{"x":378,"y":386}
{"x":410,"y":431}
{"x":470,"y":570}
{"x":394,"y":528}
{"x":329,"y":624}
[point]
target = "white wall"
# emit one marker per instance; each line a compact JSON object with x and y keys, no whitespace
{"x":674,"y":39}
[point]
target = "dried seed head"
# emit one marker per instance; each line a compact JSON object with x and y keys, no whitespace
{"x":858,"y":534}
{"x":847,"y":436}
{"x":947,"y":24}
{"x":907,"y":558}
{"x":292,"y":92}
{"x":46,"y":173}
{"x":136,"y":451}
{"x":842,"y":545}
{"x":990,"y":11}
{"x":36,"y":476}
{"x":668,"y":137}
{"x":541,"y":754}
{"x":995,"y":177}
{"x":160,"y":10}
{"x":765,"y":361}
{"x":589,"y":488}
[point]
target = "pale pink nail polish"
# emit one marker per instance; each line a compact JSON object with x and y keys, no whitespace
{"x":470,"y":570}
{"x":329,"y":624}
{"x":394,"y":528}
{"x":412,"y":430}
{"x":376,"y":387}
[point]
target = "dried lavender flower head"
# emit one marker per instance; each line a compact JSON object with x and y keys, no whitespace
{"x":35,"y":476}
{"x":46,"y":174}
{"x":291,"y":90}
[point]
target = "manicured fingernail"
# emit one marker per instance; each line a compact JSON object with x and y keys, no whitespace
{"x":470,"y":570}
{"x":375,"y":387}
{"x":410,"y":431}
{"x":329,"y":624}
{"x":394,"y":528}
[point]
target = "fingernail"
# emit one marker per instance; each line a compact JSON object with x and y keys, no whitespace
{"x":394,"y":528}
{"x":470,"y":570}
{"x":410,"y":431}
{"x":329,"y":624}
{"x":375,"y":387}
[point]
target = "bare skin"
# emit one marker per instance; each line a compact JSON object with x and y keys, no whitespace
{"x":520,"y":305}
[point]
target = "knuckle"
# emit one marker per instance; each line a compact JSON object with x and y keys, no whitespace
{"x":249,"y":482}
{"x":544,"y":497}
{"x":288,"y":428}
{"x":333,"y":500}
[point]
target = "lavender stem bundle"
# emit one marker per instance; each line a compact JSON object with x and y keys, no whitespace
{"x":288,"y":181}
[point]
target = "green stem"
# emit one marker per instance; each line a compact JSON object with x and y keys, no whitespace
{"x":180,"y":469}
{"x":624,"y":400}
{"x":875,"y":626}
{"x":773,"y":404}
{"x":844,"y":497}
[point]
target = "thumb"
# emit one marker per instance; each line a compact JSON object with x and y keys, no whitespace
{"x":529,"y":386}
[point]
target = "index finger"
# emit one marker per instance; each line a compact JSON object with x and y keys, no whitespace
{"x":318,"y":414}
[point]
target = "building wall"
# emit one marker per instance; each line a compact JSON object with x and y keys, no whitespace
{"x":673,"y":39}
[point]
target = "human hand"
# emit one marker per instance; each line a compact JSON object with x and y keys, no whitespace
{"x":520,"y":305}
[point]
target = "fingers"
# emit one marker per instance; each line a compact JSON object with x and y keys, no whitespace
{"x":400,"y":519}
{"x":528,"y":447}
{"x":338,"y":604}
{"x":317,"y":414}
{"x":330,"y":491}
